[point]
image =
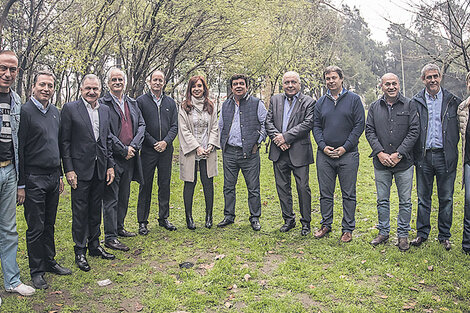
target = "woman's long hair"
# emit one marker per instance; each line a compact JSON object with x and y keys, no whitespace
{"x":208,"y":105}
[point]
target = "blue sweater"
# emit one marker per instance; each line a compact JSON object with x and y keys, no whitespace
{"x":339,"y":123}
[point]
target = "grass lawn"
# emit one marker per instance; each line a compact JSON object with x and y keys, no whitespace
{"x":239,"y":270}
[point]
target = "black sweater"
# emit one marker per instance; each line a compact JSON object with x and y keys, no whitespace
{"x":38,"y":140}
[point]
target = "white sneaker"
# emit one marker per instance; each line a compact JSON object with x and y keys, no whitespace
{"x":23,"y":290}
{"x":0,"y":301}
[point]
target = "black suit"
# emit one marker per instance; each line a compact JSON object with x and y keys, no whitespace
{"x":116,"y":196}
{"x":297,"y":158}
{"x":161,"y":124}
{"x":90,"y":159}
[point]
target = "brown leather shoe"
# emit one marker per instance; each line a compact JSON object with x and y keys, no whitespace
{"x":379,"y":239}
{"x":403,"y":243}
{"x":346,"y":237}
{"x":446,"y":244}
{"x":321,"y":232}
{"x":418,"y":241}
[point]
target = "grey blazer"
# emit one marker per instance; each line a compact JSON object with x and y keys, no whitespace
{"x":298,"y":129}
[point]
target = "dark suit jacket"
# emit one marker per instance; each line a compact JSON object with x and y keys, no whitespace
{"x":298,"y":129}
{"x":78,"y":148}
{"x":138,"y":130}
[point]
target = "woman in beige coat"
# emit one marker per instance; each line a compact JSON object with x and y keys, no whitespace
{"x":463,"y":111}
{"x":198,"y":135}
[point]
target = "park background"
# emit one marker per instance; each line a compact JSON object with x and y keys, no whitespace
{"x":236,"y":269}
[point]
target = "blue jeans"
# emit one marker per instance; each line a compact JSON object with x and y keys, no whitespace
{"x":8,"y":234}
{"x":404,"y":182}
{"x":466,"y":216}
{"x":434,"y":165}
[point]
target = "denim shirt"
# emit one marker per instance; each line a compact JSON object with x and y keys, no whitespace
{"x":434,"y":134}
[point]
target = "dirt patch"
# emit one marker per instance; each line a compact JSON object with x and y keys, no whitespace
{"x":271,"y":263}
{"x":309,"y":303}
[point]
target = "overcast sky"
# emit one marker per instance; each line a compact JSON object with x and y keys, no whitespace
{"x":374,"y":11}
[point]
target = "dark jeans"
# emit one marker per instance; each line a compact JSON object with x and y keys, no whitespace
{"x":404,"y":183}
{"x":116,"y":199}
{"x":346,"y":169}
{"x":234,"y":162}
{"x":40,"y":210}
{"x":207,"y":186}
{"x":466,"y":216}
{"x":152,"y":160}
{"x":434,"y":165}
{"x":282,"y":172}
{"x":86,"y":213}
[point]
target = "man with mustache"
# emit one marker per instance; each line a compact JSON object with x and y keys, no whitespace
{"x":241,"y":126}
{"x":40,"y":183}
{"x":127,"y":133}
{"x":436,"y":154}
{"x":86,"y":150}
{"x":337,"y":125}
{"x":392,"y":129}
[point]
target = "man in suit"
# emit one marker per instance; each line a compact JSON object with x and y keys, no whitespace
{"x":86,"y":150}
{"x":127,"y":133}
{"x":288,"y":124}
{"x":10,"y":106}
{"x":241,"y":126}
{"x":40,"y":183}
{"x":161,"y":119}
{"x":436,"y":154}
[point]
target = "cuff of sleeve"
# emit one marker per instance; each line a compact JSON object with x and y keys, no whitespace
{"x":22,"y":187}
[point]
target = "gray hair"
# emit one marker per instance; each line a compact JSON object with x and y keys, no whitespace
{"x":91,"y":77}
{"x":116,"y":69}
{"x":149,"y":78}
{"x":430,"y":67}
{"x":291,"y":73}
{"x":388,"y":74}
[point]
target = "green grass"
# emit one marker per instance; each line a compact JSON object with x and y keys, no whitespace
{"x":288,"y":272}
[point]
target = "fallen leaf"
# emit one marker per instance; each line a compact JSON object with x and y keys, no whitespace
{"x":301,"y":252}
{"x":363,"y":261}
{"x":311,"y":287}
{"x":263,"y":282}
{"x":120,"y":274}
{"x":414,"y":289}
{"x":228,"y":305}
{"x":270,"y":251}
{"x":389,"y":275}
{"x":421,"y":282}
{"x":178,"y":282}
{"x":444,"y":309}
{"x":425,"y":261}
{"x":206,"y":266}
{"x":59,"y":304}
{"x":409,"y":306}
{"x":283,"y":240}
{"x":230,"y":287}
{"x":105,"y":282}
{"x":220,"y":256}
{"x":53,"y":312}
{"x":247,"y":277}
{"x":58,"y":292}
{"x":437,"y":298}
{"x":383,"y":296}
{"x":245,"y":266}
{"x":231,"y":297}
{"x":383,"y":251}
{"x":139,"y":307}
{"x":430,"y":268}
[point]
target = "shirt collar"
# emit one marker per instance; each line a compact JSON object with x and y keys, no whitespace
{"x":40,"y":106}
{"x":120,"y":102}
{"x":295,"y":97}
{"x":432,"y":98}
{"x":399,"y":99}
{"x":328,"y":92}
{"x":157,"y":100}
{"x":88,"y":106}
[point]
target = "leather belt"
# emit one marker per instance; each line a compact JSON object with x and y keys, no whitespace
{"x":5,"y":163}
{"x":434,"y":150}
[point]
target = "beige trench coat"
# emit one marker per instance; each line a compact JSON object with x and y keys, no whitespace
{"x":189,"y":144}
{"x":462,"y":112}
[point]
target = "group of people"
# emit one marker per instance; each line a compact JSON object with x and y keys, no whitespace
{"x":102,"y":143}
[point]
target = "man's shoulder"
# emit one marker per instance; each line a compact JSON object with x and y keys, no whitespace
{"x":144,"y":98}
{"x":168,"y":100}
{"x":73,"y":103}
{"x":449,"y":95}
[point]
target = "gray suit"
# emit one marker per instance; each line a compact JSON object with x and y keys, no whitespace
{"x":297,"y":158}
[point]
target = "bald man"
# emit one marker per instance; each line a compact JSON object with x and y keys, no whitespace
{"x":392,"y":129}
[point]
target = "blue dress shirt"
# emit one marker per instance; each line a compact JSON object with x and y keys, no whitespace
{"x":434,"y":133}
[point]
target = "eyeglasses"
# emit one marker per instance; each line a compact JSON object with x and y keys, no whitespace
{"x":12,"y":69}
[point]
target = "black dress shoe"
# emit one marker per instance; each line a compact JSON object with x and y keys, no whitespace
{"x":116,"y":245}
{"x":446,"y":244}
{"x":99,"y":251}
{"x":255,"y":225}
{"x":82,"y":263}
{"x":225,"y":222}
{"x":305,"y":230}
{"x":166,"y":223}
{"x":466,"y":251}
{"x":39,"y":282}
{"x":208,"y":222}
{"x":59,"y":270}
{"x":143,"y":230}
{"x":418,"y":241}
{"x":190,"y":223}
{"x":287,"y":226}
{"x":125,"y":233}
